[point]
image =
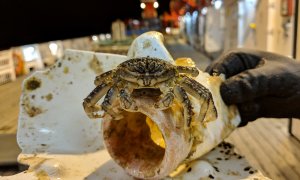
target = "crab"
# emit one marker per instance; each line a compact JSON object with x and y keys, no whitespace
{"x":147,"y":73}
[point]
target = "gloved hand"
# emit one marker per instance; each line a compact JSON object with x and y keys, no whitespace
{"x":261,"y":84}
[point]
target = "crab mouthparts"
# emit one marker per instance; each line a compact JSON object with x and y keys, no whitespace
{"x":153,"y":93}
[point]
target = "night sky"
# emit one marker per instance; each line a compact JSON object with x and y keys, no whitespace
{"x":33,"y":21}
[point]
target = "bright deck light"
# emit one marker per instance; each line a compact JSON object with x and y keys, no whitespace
{"x":53,"y":48}
{"x":218,"y":4}
{"x":155,"y":5}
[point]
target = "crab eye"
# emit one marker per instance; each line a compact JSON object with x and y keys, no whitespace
{"x":139,"y":69}
{"x":158,"y":68}
{"x":151,"y":66}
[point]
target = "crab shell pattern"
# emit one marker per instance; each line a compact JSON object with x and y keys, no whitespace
{"x":150,"y":142}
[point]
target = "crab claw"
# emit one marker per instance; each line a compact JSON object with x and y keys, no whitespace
{"x":126,"y":101}
{"x":165,"y":102}
{"x":91,"y":110}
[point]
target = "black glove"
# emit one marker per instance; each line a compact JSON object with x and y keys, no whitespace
{"x":261,"y":84}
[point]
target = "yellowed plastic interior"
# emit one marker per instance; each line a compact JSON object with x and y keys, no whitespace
{"x":156,"y":135}
{"x":135,"y":143}
{"x":184,"y":61}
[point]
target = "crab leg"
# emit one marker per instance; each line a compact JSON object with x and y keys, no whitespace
{"x":182,"y":96}
{"x":189,"y":70}
{"x":107,"y":104}
{"x":201,"y":93}
{"x":89,"y":103}
{"x":104,"y":77}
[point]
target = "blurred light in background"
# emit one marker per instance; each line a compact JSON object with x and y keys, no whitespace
{"x":194,"y":17}
{"x":95,"y":38}
{"x":143,"y":5}
{"x":155,"y":4}
{"x":218,"y":4}
{"x":135,"y":22}
{"x":168,"y":30}
{"x":53,"y":48}
{"x":102,"y":37}
{"x":204,"y":11}
{"x":108,"y":36}
{"x":29,"y":53}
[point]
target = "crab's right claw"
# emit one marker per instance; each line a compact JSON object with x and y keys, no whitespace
{"x":126,"y":101}
{"x":165,"y":102}
{"x":91,"y":110}
{"x":90,"y":102}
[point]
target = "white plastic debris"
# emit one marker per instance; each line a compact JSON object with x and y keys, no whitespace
{"x":59,"y":141}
